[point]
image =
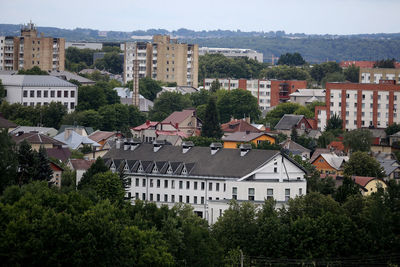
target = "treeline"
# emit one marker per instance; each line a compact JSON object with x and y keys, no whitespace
{"x":292,"y":67}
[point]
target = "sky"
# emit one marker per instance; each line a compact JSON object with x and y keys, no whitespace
{"x":291,"y":16}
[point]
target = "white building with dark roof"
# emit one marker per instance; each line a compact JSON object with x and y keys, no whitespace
{"x":207,"y":178}
{"x":39,"y":90}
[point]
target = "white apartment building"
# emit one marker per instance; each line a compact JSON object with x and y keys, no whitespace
{"x":84,"y":45}
{"x":2,"y":44}
{"x":233,"y":52}
{"x":207,"y":178}
{"x":38,"y":90}
{"x":374,"y":75}
{"x":361,"y":105}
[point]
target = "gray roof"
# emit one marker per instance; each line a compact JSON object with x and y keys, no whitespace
{"x":293,"y":146}
{"x":42,"y":130}
{"x":309,"y":93}
{"x":89,"y":130}
{"x":198,"y":160}
{"x":75,"y":140}
{"x":242,"y":136}
{"x":288,"y":121}
{"x":70,"y":76}
{"x":389,"y":165}
{"x":34,"y":80}
{"x":126,"y":97}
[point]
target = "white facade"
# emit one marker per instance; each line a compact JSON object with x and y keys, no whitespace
{"x":135,"y":51}
{"x":2,"y":43}
{"x":39,"y":91}
{"x":277,"y":178}
{"x":232,"y":52}
{"x":81,"y":45}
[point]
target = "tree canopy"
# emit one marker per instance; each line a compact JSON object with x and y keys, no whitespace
{"x":290,"y":59}
{"x":358,"y":140}
{"x":362,"y":164}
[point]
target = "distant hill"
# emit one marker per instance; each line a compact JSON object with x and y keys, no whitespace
{"x":314,"y":48}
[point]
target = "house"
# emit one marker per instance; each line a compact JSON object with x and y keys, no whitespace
{"x":368,"y":185}
{"x":39,"y":90}
{"x":42,"y":130}
{"x":60,"y":153}
{"x":178,"y":89}
{"x":152,"y":130}
{"x":235,"y":139}
{"x":207,"y":178}
{"x":337,"y":146}
{"x":294,"y":148}
{"x":37,"y":140}
{"x":145,"y":132}
{"x":307,"y":96}
{"x":80,"y":166}
{"x":290,"y":121}
{"x":75,"y":141}
{"x":57,"y":173}
{"x":389,"y":163}
{"x":185,"y":121}
{"x":67,"y":76}
{"x":101,"y":137}
{"x":82,"y":130}
{"x":6,"y":124}
{"x":330,"y":163}
{"x":126,"y":97}
{"x":236,"y":125}
{"x":175,"y":140}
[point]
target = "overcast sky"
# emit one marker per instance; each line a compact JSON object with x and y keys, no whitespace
{"x":292,"y":16}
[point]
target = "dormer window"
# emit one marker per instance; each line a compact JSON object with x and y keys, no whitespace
{"x":126,"y":168}
{"x":169,"y":170}
{"x":184,"y":171}
{"x":140,"y":169}
{"x":155,"y":169}
{"x":112,"y":168}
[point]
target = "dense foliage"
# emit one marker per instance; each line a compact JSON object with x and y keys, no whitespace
{"x":33,"y":71}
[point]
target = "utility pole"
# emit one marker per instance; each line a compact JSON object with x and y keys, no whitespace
{"x":135,"y":95}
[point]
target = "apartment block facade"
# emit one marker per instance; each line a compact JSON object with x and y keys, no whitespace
{"x":233,"y":52}
{"x":361,"y":105}
{"x":374,"y":75}
{"x":29,"y":50}
{"x":269,"y":93}
{"x":164,"y":59}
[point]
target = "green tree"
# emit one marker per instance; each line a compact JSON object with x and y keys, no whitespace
{"x":148,"y":88}
{"x":294,"y":135}
{"x":111,"y":62}
{"x":283,"y":72}
{"x":358,"y":140}
{"x":91,"y":97}
{"x":44,"y":171}
{"x":167,"y":103}
{"x":33,"y":71}
{"x":203,"y":141}
{"x":211,"y":127}
{"x":2,"y":91}
{"x":294,"y":59}
{"x":200,"y":97}
{"x":87,"y":179}
{"x":8,"y":162}
{"x":306,"y":111}
{"x":362,"y":164}
{"x":352,"y":74}
{"x":392,"y":129}
{"x":325,"y":139}
{"x":277,"y":113}
{"x":333,"y":77}
{"x":27,"y":162}
{"x":385,"y":63}
{"x":215,"y":85}
{"x":347,"y":189}
{"x":334,"y":122}
{"x":108,"y":185}
{"x":53,"y":114}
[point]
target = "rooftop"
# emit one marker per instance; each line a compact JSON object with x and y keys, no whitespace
{"x":34,"y":80}
{"x":243,"y":136}
{"x":288,"y":121}
{"x":36,"y":138}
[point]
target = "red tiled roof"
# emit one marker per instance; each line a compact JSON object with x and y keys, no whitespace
{"x":361,"y":64}
{"x":362,"y":180}
{"x":55,"y":167}
{"x":238,"y":126}
{"x":81,"y":164}
{"x":101,"y":135}
{"x":313,"y":123}
{"x":178,"y":116}
{"x":338,"y":145}
{"x":62,"y":153}
{"x":145,"y":125}
{"x":35,"y":138}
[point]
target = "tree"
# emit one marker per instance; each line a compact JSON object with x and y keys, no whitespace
{"x":211,"y":127}
{"x":2,"y":91}
{"x":334,"y":122}
{"x":33,"y":71}
{"x":362,"y":164}
{"x":358,"y":140}
{"x":283,"y":72}
{"x":87,"y":179}
{"x":294,"y":59}
{"x":111,"y":62}
{"x":8,"y":162}
{"x":167,"y":103}
{"x":200,"y":97}
{"x":44,"y":171}
{"x":347,"y":189}
{"x":333,"y":77}
{"x":277,"y":113}
{"x":385,"y":63}
{"x":294,"y":135}
{"x":27,"y":162}
{"x":392,"y":129}
{"x":203,"y":141}
{"x":352,"y":74}
{"x":215,"y":85}
{"x":53,"y":114}
{"x":325,"y":139}
{"x":148,"y":88}
{"x":108,"y":185}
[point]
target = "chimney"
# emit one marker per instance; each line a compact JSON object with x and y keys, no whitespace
{"x":157,"y":145}
{"x":215,"y":147}
{"x":147,"y":122}
{"x":118,"y":144}
{"x":126,"y":144}
{"x":186,"y":146}
{"x":134,"y":142}
{"x":67,"y":133}
{"x":244,"y":149}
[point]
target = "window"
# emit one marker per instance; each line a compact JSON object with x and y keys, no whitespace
{"x":46,"y":93}
{"x":195,"y":200}
{"x":210,"y":186}
{"x":300,"y":191}
{"x":158,"y":183}
{"x":275,"y":169}
{"x":72,"y":93}
{"x":32,"y":93}
{"x":187,"y":199}
{"x":180,"y":184}
{"x":173,"y":198}
{"x":151,"y":197}
{"x":137,"y":195}
{"x":234,"y":192}
{"x":137,"y":182}
{"x":270,"y":193}
{"x":72,"y":105}
{"x":58,"y":93}
{"x":217,"y":187}
{"x":202,"y":200}
{"x":173,"y":184}
{"x":224,"y":187}
{"x":251,"y":194}
{"x":65,"y":93}
{"x":202,"y":185}
{"x":52,"y":93}
{"x":144,"y":182}
{"x":151,"y":183}
{"x":165,"y":198}
{"x":165,"y":183}
{"x":158,"y":197}
{"x":287,"y":194}
{"x":25,"y":93}
{"x":180,"y":198}
{"x":187,"y":184}
{"x":195,"y":185}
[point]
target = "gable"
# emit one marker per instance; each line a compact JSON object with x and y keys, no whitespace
{"x":321,"y":164}
{"x":303,"y":124}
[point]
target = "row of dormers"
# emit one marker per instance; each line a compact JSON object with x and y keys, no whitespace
{"x":156,"y":167}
